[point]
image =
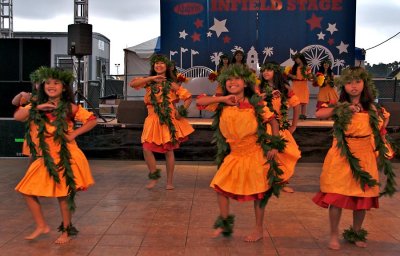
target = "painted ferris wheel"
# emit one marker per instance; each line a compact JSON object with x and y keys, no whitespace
{"x":315,"y":54}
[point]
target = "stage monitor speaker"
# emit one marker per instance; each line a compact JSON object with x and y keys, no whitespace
{"x":80,"y":39}
{"x":394,"y":109}
{"x":131,"y":112}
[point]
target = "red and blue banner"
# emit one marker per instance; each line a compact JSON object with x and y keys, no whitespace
{"x":198,"y":32}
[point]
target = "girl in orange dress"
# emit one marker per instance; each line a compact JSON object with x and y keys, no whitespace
{"x":350,"y":177}
{"x":300,"y":74}
{"x":327,"y":93}
{"x":280,"y":98}
{"x":165,"y":126}
{"x":59,"y":169}
{"x":245,"y":151}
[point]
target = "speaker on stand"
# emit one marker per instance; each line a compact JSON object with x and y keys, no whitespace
{"x":79,"y":45}
{"x":80,"y":39}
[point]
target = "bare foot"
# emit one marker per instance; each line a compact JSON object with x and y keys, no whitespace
{"x":63,"y":239}
{"x":361,"y":244}
{"x":169,"y":187}
{"x":38,"y":231}
{"x":217,"y":232}
{"x":287,"y":189}
{"x":255,"y":236}
{"x":151,"y":184}
{"x":334,"y":244}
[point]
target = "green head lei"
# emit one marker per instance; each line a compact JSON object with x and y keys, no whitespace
{"x":44,"y":73}
{"x":356,"y":73}
{"x":35,"y":77}
{"x":159,"y":58}
{"x":271,"y":66}
{"x":237,"y":70}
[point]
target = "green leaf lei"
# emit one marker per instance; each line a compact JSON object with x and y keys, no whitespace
{"x":282,"y":117}
{"x":40,"y":119}
{"x":266,"y":141}
{"x":342,"y":117}
{"x":163,"y":109}
{"x":384,"y":164}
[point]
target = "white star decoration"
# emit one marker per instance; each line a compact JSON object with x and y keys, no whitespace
{"x":183,"y":34}
{"x":342,"y":47}
{"x":332,"y":28}
{"x":321,"y":36}
{"x":209,"y":34}
{"x":219,"y":27}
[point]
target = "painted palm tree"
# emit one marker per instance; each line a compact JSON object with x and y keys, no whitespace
{"x":338,"y":63}
{"x":268,"y":51}
{"x":216,"y":58}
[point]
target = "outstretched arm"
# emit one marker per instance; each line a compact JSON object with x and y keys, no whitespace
{"x":139,"y":82}
{"x":208,"y":100}
{"x":324,"y":113}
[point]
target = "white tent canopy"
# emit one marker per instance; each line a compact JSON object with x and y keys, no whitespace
{"x":137,"y":62}
{"x":137,"y":57}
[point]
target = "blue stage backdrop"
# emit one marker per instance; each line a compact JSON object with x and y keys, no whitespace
{"x":198,"y":32}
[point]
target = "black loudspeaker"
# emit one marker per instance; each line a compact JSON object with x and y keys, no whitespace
{"x":9,"y":59}
{"x":8,"y":90}
{"x":131,"y":112}
{"x":80,"y":39}
{"x":19,"y":57}
{"x":35,"y":53}
{"x":394,"y":109}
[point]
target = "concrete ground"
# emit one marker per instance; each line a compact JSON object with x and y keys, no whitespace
{"x":119,"y":216}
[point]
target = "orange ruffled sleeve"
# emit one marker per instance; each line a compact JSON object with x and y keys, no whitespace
{"x":293,"y":101}
{"x":83,"y":115}
{"x":267,"y":115}
{"x":183,"y":93}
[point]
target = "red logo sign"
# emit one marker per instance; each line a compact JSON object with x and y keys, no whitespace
{"x":188,"y":8}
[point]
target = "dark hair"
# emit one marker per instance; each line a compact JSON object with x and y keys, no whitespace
{"x":321,"y":68}
{"x":301,"y":57}
{"x":173,"y":67}
{"x":221,"y":62}
{"x":367,"y":95}
{"x":236,"y":53}
{"x":279,"y":80}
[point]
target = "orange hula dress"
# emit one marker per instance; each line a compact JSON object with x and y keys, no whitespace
{"x":300,"y":85}
{"x":243,"y":173}
{"x":337,"y":184}
{"x":37,"y":181}
{"x":327,"y":94}
{"x":288,"y":158}
{"x":156,"y":137}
